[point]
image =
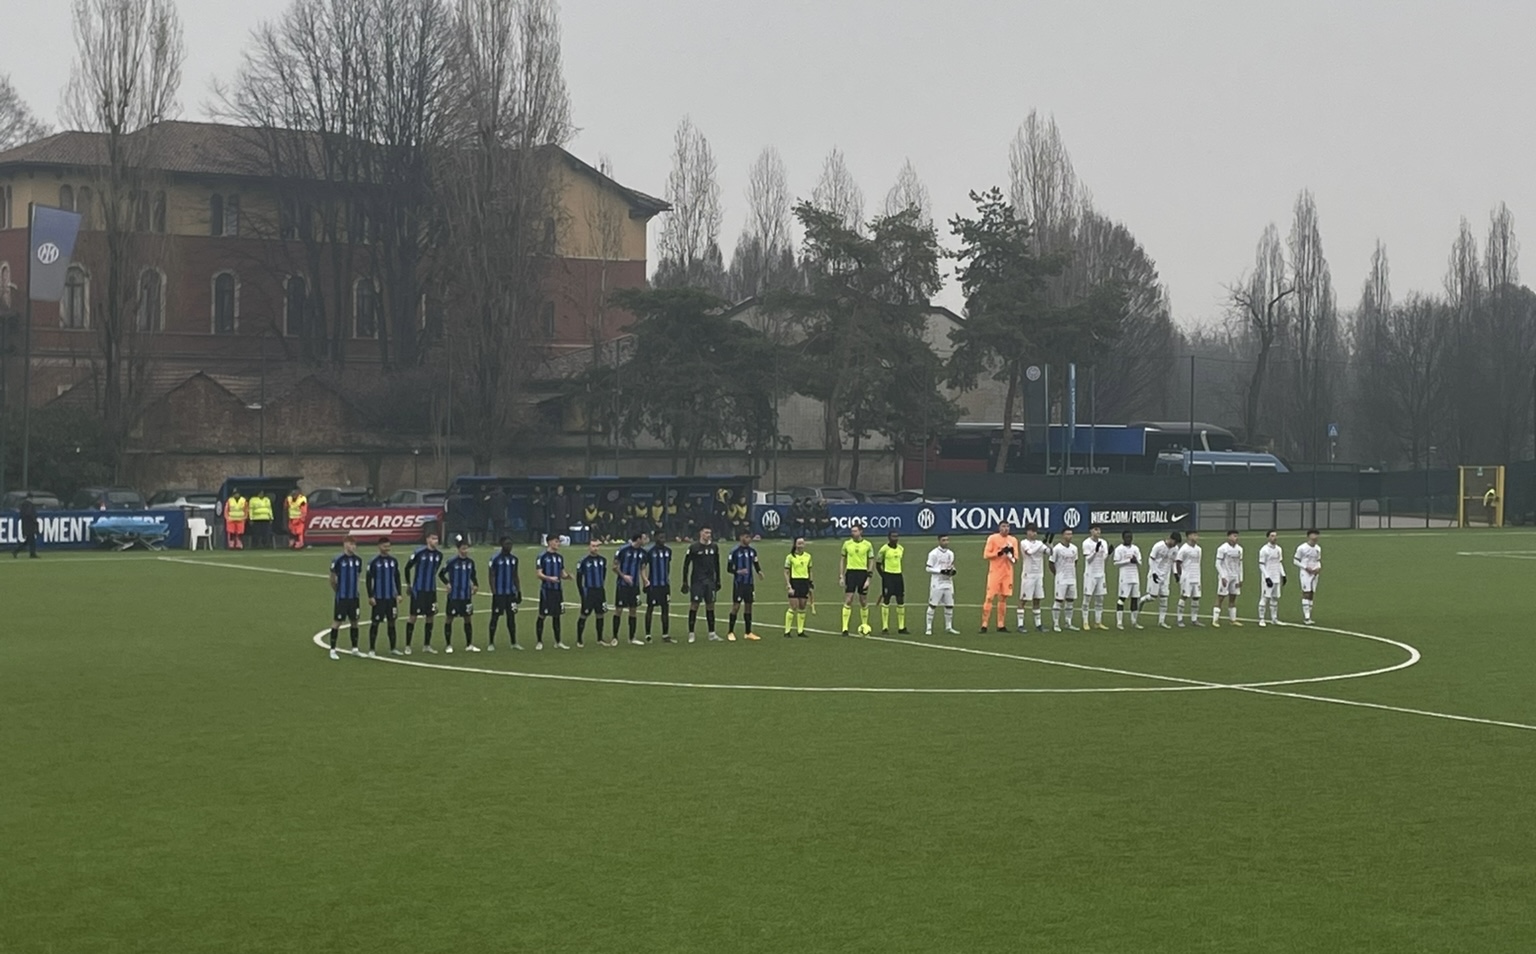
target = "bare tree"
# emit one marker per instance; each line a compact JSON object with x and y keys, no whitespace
{"x":1368,"y":363}
{"x":1408,"y":392}
{"x":1044,"y":188}
{"x":764,"y":258}
{"x":1465,"y":294}
{"x":688,"y":250}
{"x":910,"y":193}
{"x":347,"y":106}
{"x":1134,"y":378}
{"x":1257,"y":305}
{"x":839,"y":193}
{"x":1314,"y":336}
{"x":124,"y":81}
{"x":501,"y":193}
{"x":1507,"y":341}
{"x":18,"y":124}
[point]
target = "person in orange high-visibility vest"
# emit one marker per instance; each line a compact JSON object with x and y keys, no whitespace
{"x":236,"y":509}
{"x":1001,"y":553}
{"x":297,"y":506}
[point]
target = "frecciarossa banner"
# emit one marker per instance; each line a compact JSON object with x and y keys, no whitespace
{"x":932,"y":519}
{"x":365,"y":524}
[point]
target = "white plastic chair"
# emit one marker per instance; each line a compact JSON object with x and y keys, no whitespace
{"x":199,"y":531}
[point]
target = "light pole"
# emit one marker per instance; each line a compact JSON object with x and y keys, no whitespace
{"x":416,"y":467}
{"x":5,"y":389}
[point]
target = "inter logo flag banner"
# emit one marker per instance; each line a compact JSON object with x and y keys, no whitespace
{"x":53,"y":243}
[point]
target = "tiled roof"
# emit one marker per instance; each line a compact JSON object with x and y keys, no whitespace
{"x":218,"y":149}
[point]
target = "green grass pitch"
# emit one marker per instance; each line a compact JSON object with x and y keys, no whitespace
{"x":185,"y":771}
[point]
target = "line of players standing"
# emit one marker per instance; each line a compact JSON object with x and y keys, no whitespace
{"x":639,"y":567}
{"x":1174,"y":571}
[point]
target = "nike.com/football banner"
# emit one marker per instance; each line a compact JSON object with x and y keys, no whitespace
{"x":53,"y":243}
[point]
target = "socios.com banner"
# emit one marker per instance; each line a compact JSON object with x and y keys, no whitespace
{"x":85,"y":529}
{"x":924,"y":518}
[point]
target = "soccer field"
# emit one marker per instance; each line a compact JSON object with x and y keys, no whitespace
{"x":185,"y":770}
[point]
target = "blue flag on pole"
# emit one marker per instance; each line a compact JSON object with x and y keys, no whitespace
{"x":53,"y":243}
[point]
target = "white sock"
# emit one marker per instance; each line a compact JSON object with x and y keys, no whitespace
{"x":1021,"y":616}
{"x":1068,"y":614}
{"x":1274,"y":610}
{"x":1232,"y":612}
{"x":949,"y":617}
{"x":1119,"y":615}
{"x":1135,"y":612}
{"x":1194,"y":611}
{"x":1056,"y":615}
{"x":930,"y":619}
{"x":1180,"y":610}
{"x":1039,"y":617}
{"x":1162,"y":610}
{"x":1098,"y":610}
{"x":1216,"y":613}
{"x":1306,"y":609}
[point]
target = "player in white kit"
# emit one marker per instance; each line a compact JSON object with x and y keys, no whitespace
{"x":1032,"y":557}
{"x":1064,"y":569}
{"x":1309,"y":559}
{"x":1229,"y":579}
{"x":1095,"y":560}
{"x":1127,"y":558}
{"x":941,"y":585}
{"x":1271,"y":577}
{"x":1186,"y":566}
{"x":1160,"y":573}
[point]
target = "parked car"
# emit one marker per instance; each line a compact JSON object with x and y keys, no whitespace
{"x":106,"y":498}
{"x":205,"y":502}
{"x":768,"y":498}
{"x":417,"y":497}
{"x":323,"y":497}
{"x":41,"y":499}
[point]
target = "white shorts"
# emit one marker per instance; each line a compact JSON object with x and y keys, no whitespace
{"x":1032,"y":588}
{"x":1155,"y":586}
{"x":1066,"y":589}
{"x":1270,"y":589}
{"x":1309,"y":581}
{"x":1189,"y":589}
{"x":1227,"y":586}
{"x":1130,"y":589}
{"x":1094,"y":584}
{"x":941,"y":594}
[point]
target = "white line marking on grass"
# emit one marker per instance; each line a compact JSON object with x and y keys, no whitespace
{"x":237,"y":566}
{"x":1179,"y":684}
{"x":1505,"y":554}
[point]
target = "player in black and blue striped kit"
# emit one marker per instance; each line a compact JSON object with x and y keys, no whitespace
{"x":745,"y":572}
{"x":506,"y":592}
{"x":658,"y":587}
{"x":346,"y":572}
{"x":551,"y":570}
{"x":591,"y":586}
{"x":463,"y":584}
{"x":629,"y":567}
{"x":383,"y":595}
{"x":421,"y":573}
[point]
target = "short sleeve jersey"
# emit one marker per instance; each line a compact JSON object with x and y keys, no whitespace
{"x":798,"y":565}
{"x":857,"y":554}
{"x":890,"y":558}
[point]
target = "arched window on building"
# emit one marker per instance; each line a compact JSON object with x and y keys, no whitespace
{"x":67,"y":198}
{"x":226,"y":303}
{"x":295,"y":304}
{"x":151,"y":316}
{"x":365,"y":308}
{"x":74,"y":310}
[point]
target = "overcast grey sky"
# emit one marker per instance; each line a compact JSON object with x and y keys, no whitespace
{"x":1195,"y":122}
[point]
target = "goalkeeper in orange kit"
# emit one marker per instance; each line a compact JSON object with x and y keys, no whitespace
{"x":1001,"y":553}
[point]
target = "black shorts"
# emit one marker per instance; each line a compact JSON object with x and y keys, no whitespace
{"x":856,"y":581}
{"x":892,"y":586}
{"x":703,"y":591}
{"x":424,"y":604}
{"x":594,"y":601}
{"x":345,"y":609}
{"x":385,"y":611}
{"x":626,"y":596}
{"x":504,"y":603}
{"x":800,"y":589}
{"x":743,"y":593}
{"x":461,"y":608}
{"x":551,"y":603}
{"x":658,"y":596}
